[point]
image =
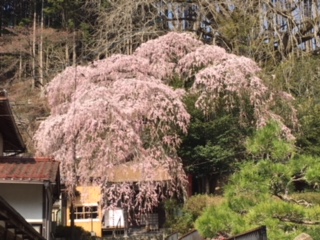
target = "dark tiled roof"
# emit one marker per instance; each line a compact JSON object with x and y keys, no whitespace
{"x":12,"y":139}
{"x":28,"y":169}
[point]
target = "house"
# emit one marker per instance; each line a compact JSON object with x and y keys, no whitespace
{"x":14,"y":226}
{"x":88,"y":212}
{"x":86,"y":209}
{"x":11,"y":142}
{"x":29,"y":185}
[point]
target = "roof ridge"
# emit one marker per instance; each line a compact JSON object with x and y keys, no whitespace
{"x":36,"y":159}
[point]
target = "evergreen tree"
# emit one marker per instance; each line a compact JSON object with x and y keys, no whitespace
{"x":267,"y":191}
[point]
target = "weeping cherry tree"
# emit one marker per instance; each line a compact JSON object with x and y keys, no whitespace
{"x":122,"y":110}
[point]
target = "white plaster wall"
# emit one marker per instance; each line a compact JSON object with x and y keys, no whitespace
{"x":25,"y":199}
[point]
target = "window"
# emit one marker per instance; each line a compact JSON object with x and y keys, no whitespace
{"x":85,"y":212}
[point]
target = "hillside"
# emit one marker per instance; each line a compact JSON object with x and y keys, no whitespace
{"x":20,"y":78}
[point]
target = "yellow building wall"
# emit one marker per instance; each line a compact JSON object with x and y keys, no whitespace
{"x":89,"y":196}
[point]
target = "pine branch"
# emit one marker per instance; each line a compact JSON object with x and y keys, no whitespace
{"x":297,"y":221}
{"x":300,"y":202}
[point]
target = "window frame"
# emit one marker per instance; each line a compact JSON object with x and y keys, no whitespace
{"x":85,"y":212}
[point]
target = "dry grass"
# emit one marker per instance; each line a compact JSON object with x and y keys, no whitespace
{"x":27,"y":106}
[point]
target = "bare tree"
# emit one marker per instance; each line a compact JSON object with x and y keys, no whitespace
{"x":34,"y":39}
{"x":41,"y":82}
{"x":124,"y":25}
{"x":266,"y":30}
{"x":262,"y":29}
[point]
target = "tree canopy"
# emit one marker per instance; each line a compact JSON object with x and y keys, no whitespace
{"x":178,"y":102}
{"x":122,"y":110}
{"x":279,"y":192}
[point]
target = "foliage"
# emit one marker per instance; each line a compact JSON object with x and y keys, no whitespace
{"x":311,"y":197}
{"x":208,"y":72}
{"x":300,"y":77}
{"x":110,"y":114}
{"x":139,"y":22}
{"x":308,"y":139}
{"x":120,"y":110}
{"x":183,"y":222}
{"x":263,"y":192}
{"x":221,"y":81}
{"x":213,"y":144}
{"x":227,"y":100}
{"x":173,"y":209}
{"x":268,"y":143}
{"x":165,"y":52}
{"x":219,"y":221}
{"x":196,"y":204}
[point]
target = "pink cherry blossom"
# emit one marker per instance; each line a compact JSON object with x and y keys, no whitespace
{"x":120,"y":112}
{"x":110,"y":113}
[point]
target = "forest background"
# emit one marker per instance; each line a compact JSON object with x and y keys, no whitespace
{"x":40,"y":38}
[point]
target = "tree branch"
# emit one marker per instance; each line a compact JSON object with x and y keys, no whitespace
{"x":297,"y":221}
{"x":283,"y":13}
{"x":300,"y":202}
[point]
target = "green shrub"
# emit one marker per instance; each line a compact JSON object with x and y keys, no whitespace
{"x":196,"y":204}
{"x":193,"y":208}
{"x":173,"y":210}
